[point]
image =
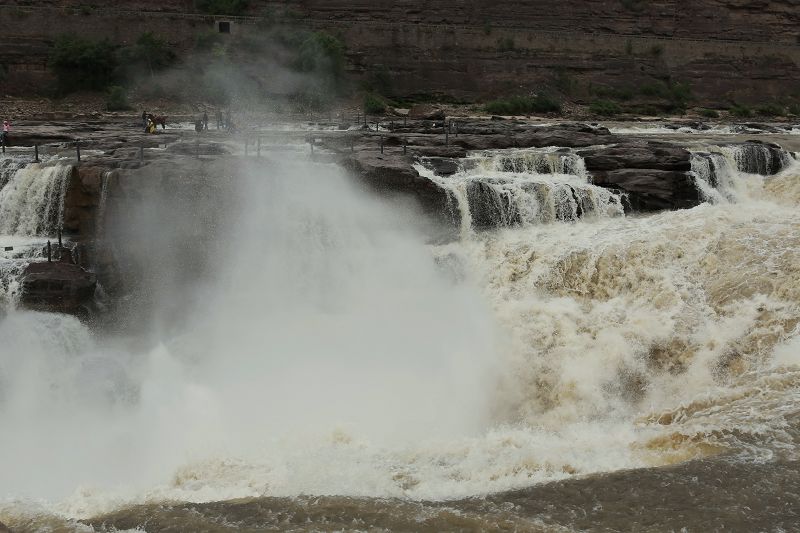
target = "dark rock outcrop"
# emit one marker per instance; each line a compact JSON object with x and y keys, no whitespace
{"x":392,"y":172}
{"x":763,"y":158}
{"x":426,"y":112}
{"x":645,"y":155}
{"x":652,"y":189}
{"x":57,"y":286}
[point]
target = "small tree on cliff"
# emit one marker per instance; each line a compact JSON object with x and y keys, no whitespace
{"x":151,"y":52}
{"x":81,"y":64}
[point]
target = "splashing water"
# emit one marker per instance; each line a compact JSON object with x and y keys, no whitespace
{"x":524,"y":187}
{"x":32,"y":201}
{"x":335,"y":354}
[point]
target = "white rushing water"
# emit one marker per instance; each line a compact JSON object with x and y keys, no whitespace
{"x":31,"y":209}
{"x":32,"y":199}
{"x":524,"y":187}
{"x":337,"y":354}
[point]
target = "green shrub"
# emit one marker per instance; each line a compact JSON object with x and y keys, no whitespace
{"x":150,"y":52}
{"x":373,"y":104}
{"x":222,"y":7}
{"x":81,"y":64}
{"x":523,"y":105}
{"x":606,"y":108}
{"x":564,"y":82}
{"x":741,"y":111}
{"x":505,"y":44}
{"x":709,"y":113}
{"x":793,"y":109}
{"x":614,"y":93}
{"x":770,"y":110}
{"x":646,"y":109}
{"x":629,"y":47}
{"x":676,"y":94}
{"x":117,"y":99}
{"x":323,"y":55}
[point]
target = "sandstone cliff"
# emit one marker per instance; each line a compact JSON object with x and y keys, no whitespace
{"x":727,"y":50}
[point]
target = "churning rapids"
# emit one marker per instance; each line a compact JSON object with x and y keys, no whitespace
{"x":574,"y":368}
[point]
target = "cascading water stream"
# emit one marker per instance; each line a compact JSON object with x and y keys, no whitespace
{"x":335,"y":353}
{"x":524,"y":187}
{"x":32,"y":200}
{"x":728,"y":173}
{"x":31,"y":208}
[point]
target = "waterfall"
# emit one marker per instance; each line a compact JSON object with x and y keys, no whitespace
{"x":725,"y":173}
{"x":524,"y":187}
{"x":101,"y":206}
{"x":537,"y":161}
{"x":32,"y":201}
{"x":8,"y":167}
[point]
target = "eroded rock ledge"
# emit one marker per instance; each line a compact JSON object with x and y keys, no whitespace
{"x":655,"y":175}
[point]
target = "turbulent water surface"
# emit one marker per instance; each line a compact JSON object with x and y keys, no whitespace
{"x":561,"y":367}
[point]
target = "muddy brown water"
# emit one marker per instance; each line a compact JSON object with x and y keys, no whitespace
{"x":720,"y":494}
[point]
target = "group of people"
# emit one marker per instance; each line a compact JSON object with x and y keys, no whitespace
{"x":150,"y":121}
{"x":223,"y":123}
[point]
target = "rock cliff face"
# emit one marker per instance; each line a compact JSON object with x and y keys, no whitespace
{"x":727,"y":50}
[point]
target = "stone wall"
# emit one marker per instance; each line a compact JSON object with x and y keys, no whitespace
{"x":728,"y":50}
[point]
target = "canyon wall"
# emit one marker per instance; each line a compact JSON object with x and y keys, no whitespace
{"x":727,"y":50}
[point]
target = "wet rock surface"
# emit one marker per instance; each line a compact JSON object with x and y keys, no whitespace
{"x":57,"y":286}
{"x":652,"y":189}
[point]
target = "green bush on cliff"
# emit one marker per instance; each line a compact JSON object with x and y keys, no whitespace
{"x":506,"y":44}
{"x":770,"y":110}
{"x":222,"y":7}
{"x":794,"y":109}
{"x":150,"y":52}
{"x":373,"y":104}
{"x":81,"y":64}
{"x":741,"y":111}
{"x":709,"y":113}
{"x":523,"y":105}
{"x":606,"y":108}
{"x":117,"y":99}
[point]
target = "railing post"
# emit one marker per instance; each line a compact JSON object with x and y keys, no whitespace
{"x":446,"y":137}
{"x":49,"y":252}
{"x":381,"y":143}
{"x":35,"y":153}
{"x":78,"y":150}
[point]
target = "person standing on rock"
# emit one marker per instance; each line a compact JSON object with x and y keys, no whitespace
{"x":205,"y":121}
{"x":144,"y":119}
{"x":219,"y":119}
{"x":6,"y":131}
